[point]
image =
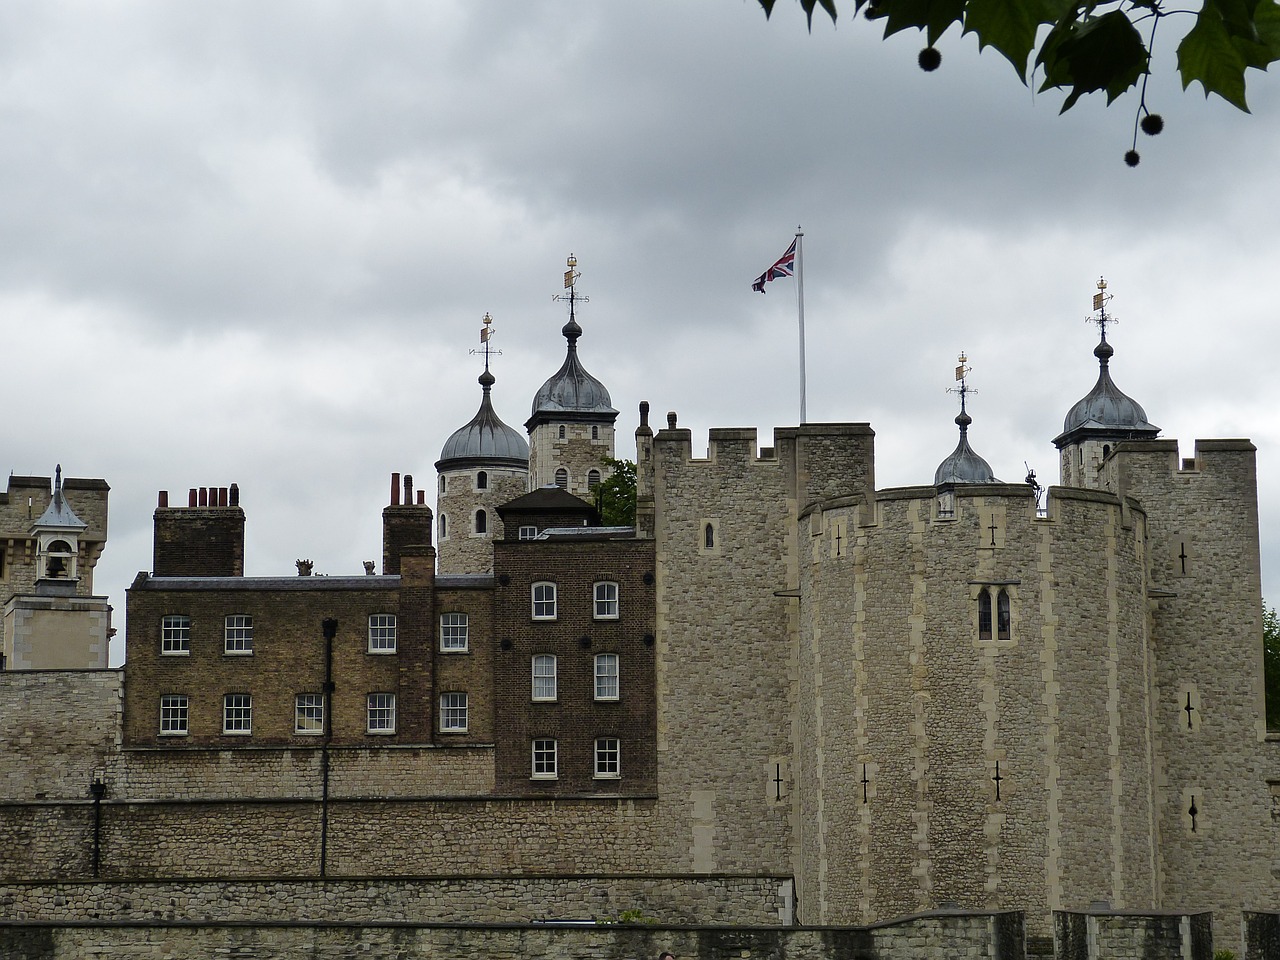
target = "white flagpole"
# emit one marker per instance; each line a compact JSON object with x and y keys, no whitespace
{"x":800,"y":303}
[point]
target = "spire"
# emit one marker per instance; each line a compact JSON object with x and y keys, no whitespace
{"x":485,"y":440}
{"x":963,"y":465}
{"x":1105,"y":413}
{"x":59,"y":515}
{"x":571,"y":392}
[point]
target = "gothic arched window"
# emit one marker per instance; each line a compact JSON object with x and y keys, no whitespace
{"x":1004,"y":624}
{"x":984,"y":615}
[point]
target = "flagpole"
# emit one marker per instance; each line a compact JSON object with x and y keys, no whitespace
{"x":800,"y":306}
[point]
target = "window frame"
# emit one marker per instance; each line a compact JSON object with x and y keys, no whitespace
{"x":612,"y":680}
{"x":175,"y":717}
{"x":167,"y":638}
{"x":597,"y":601}
{"x":480,"y":524}
{"x":544,"y":686}
{"x":985,"y":617}
{"x":482,"y":480}
{"x":316,"y":705}
{"x":608,"y":754}
{"x":243,"y":638}
{"x":1004,"y":616}
{"x":448,"y":644}
{"x":380,"y":642}
{"x":536,"y":603}
{"x":562,"y":478}
{"x":454,"y":704}
{"x":528,"y":532}
{"x":544,"y":759}
{"x":237,"y":716}
{"x":380,"y":714}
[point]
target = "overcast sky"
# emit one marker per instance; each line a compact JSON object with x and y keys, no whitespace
{"x":253,"y":243}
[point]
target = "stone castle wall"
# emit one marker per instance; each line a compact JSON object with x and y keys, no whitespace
{"x":913,"y":709}
{"x":1209,"y":714}
{"x":462,"y":549}
{"x":23,"y":503}
{"x":723,"y":656}
{"x":577,"y":452}
{"x":959,"y":935}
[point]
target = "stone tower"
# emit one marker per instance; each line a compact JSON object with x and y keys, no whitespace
{"x":483,"y":465}
{"x":571,"y":427}
{"x":51,"y":619}
{"x":1100,"y":420}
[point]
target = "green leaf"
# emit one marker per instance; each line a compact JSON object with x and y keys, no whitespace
{"x":1207,"y":54}
{"x":1011,"y":25}
{"x":1267,"y":20}
{"x":1100,"y":53}
{"x":931,"y":16}
{"x":827,"y":5}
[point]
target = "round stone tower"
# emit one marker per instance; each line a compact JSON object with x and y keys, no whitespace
{"x":483,"y":465}
{"x":571,"y":427}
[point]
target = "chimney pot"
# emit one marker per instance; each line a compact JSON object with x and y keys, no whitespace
{"x":164,"y":498}
{"x":235,"y":495}
{"x":191,"y":497}
{"x":395,"y":489}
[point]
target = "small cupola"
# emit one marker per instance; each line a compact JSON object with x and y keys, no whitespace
{"x":963,"y":465}
{"x":1105,"y":412}
{"x":485,"y":441}
{"x":57,"y":535}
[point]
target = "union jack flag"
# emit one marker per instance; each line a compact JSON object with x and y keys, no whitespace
{"x":785,"y":267}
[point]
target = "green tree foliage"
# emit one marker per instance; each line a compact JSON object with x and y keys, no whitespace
{"x":1094,"y":45}
{"x":616,"y":494}
{"x":1271,"y":664}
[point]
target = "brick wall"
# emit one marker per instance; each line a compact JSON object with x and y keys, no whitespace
{"x":575,"y":637}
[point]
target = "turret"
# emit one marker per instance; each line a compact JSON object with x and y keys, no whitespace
{"x":1104,"y":417}
{"x":483,"y":464}
{"x":571,"y":426}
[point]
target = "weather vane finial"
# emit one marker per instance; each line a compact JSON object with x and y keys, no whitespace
{"x":571,"y":276}
{"x":1100,"y":315}
{"x":962,"y":371}
{"x":486,"y":335}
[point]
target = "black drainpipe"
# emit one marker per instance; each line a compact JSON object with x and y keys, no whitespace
{"x":98,"y":790}
{"x":330,"y":627}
